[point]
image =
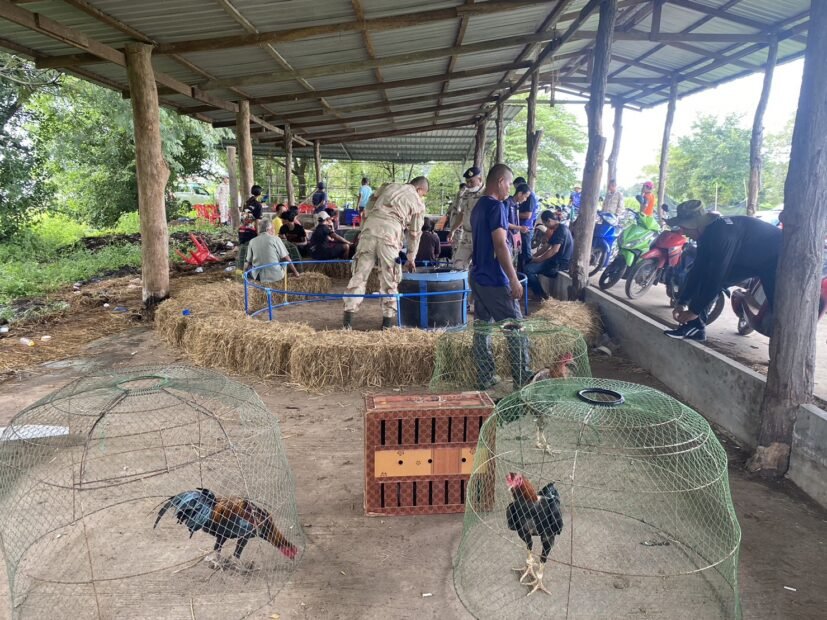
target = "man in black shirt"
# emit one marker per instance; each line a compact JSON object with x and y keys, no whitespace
{"x":730,"y":250}
{"x":553,"y":256}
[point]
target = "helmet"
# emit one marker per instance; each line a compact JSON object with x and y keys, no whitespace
{"x":648,"y":185}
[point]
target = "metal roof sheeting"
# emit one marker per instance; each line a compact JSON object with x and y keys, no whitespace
{"x":169,"y":21}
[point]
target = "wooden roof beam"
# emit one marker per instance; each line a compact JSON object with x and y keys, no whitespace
{"x":375,"y":24}
{"x":369,"y":49}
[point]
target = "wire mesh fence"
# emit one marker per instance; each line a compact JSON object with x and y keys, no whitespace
{"x":621,"y":510}
{"x":486,"y":355}
{"x":153,"y":492}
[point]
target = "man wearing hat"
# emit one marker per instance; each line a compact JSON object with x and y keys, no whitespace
{"x":394,"y":208}
{"x":730,"y":250}
{"x":459,"y":220}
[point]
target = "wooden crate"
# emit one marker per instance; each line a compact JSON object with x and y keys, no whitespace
{"x":419,"y":452}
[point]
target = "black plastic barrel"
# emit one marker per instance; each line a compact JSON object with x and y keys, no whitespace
{"x":431,"y":311}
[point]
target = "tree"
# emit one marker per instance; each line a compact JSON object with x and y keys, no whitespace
{"x":776,"y":164}
{"x":562,"y":144}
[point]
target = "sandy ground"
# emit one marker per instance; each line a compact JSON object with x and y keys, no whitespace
{"x":376,"y":568}
{"x":722,"y":335}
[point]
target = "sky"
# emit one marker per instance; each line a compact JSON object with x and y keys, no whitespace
{"x":643,"y":131}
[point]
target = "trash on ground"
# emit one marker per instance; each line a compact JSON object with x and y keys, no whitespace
{"x":27,"y":342}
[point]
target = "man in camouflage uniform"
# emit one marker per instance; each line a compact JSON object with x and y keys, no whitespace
{"x":392,"y":209}
{"x":460,"y":222}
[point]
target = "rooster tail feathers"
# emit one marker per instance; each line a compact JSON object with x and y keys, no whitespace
{"x":163,"y":511}
{"x":269,"y":532}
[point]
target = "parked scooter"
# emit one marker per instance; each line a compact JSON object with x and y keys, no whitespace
{"x":665,"y":252}
{"x":675,"y":279}
{"x":606,"y":232}
{"x":633,"y":242}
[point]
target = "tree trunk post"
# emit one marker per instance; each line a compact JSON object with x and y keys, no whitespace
{"x":583,"y":227}
{"x":245,"y":147}
{"x":317,"y":157}
{"x":793,"y":343}
{"x":500,"y":157}
{"x":232,"y":168}
{"x":479,"y":146}
{"x":756,"y":160}
{"x":152,"y":174}
{"x":532,"y":135}
{"x":617,"y":127}
{"x":288,"y":163}
{"x":663,"y":168}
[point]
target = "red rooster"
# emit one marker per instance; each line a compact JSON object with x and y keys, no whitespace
{"x":226,"y":518}
{"x":559,"y":370}
{"x":532,"y":514}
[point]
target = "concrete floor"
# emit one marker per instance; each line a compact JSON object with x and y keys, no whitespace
{"x":722,"y":335}
{"x":378,"y":568}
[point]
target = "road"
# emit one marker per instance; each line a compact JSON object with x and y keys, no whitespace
{"x":752,"y":350}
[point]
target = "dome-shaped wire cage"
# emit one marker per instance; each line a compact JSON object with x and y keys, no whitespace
{"x":518,"y":350}
{"x":638,"y":517}
{"x":86,"y":472}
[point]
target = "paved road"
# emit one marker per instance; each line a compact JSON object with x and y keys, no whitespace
{"x":752,"y":350}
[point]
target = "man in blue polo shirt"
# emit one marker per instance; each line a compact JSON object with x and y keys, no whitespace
{"x":494,"y":283}
{"x":528,"y":217}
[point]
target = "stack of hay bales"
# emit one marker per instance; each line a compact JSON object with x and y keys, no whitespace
{"x":310,"y":282}
{"x":582,"y":317}
{"x":346,"y":360}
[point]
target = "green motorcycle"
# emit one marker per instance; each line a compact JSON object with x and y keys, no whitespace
{"x":633,"y":242}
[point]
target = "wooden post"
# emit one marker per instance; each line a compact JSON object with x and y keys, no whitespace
{"x":317,"y":156}
{"x":756,"y":161}
{"x":793,"y":343}
{"x":245,"y":148}
{"x":617,"y":126}
{"x":152,"y":174}
{"x":479,"y":146}
{"x":500,"y":157}
{"x":232,"y":172}
{"x":664,"y":145}
{"x":533,"y":135}
{"x":583,"y":227}
{"x":288,"y":163}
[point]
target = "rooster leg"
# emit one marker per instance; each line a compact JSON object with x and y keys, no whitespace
{"x":542,"y":442}
{"x":527,"y":571}
{"x":538,"y":583}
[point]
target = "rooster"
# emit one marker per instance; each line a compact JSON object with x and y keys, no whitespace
{"x":226,"y":518}
{"x":559,"y":370}
{"x":532,"y":514}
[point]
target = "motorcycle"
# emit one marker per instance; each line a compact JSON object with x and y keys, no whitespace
{"x":664,"y":253}
{"x":633,"y":242}
{"x":675,"y":279}
{"x":606,"y":232}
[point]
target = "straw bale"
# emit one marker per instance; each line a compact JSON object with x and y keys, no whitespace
{"x":312,"y":282}
{"x":583,"y":317}
{"x":354,"y":359}
{"x":337,"y":271}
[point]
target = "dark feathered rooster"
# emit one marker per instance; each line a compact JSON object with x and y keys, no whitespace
{"x":532,"y":514}
{"x":559,"y":370}
{"x":226,"y":518}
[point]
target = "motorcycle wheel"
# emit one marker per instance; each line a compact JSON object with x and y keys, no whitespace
{"x":744,"y":328}
{"x":597,"y":259}
{"x":641,"y":278}
{"x":716,"y":308}
{"x":611,"y":275}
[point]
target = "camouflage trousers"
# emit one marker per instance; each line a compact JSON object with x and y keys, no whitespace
{"x":372,"y":251}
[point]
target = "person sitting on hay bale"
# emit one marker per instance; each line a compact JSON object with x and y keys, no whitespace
{"x":267,"y":249}
{"x":494,"y":282}
{"x":293,"y":234}
{"x":393,"y":208}
{"x":429,"y":245}
{"x":326,"y":244}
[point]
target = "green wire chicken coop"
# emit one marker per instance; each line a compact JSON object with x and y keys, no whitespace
{"x":85,"y":472}
{"x":648,"y":526}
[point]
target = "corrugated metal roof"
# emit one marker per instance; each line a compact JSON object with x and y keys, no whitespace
{"x":340,"y":54}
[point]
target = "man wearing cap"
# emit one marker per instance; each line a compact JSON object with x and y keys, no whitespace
{"x":528,"y":210}
{"x":393,"y":208}
{"x":459,"y":221}
{"x":319,"y":198}
{"x":730,"y":250}
{"x":574,"y":202}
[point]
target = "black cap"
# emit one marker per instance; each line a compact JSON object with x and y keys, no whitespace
{"x":519,"y":181}
{"x":473,"y":171}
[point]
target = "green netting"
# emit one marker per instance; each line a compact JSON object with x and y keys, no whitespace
{"x":518,"y":350}
{"x":648,"y":526}
{"x":84,"y":472}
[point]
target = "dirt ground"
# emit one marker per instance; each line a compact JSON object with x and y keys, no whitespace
{"x":357,"y":567}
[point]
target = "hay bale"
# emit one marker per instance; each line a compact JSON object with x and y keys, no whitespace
{"x":346,"y":360}
{"x":312,"y":282}
{"x":584,"y":318}
{"x":211,"y":300}
{"x":336,"y":270}
{"x":170,"y":323}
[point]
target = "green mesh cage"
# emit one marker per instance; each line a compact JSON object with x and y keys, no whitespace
{"x":486,"y":355}
{"x":647,"y":526}
{"x":85,"y":471}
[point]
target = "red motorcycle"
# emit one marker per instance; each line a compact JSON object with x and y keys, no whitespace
{"x":664,"y":254}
